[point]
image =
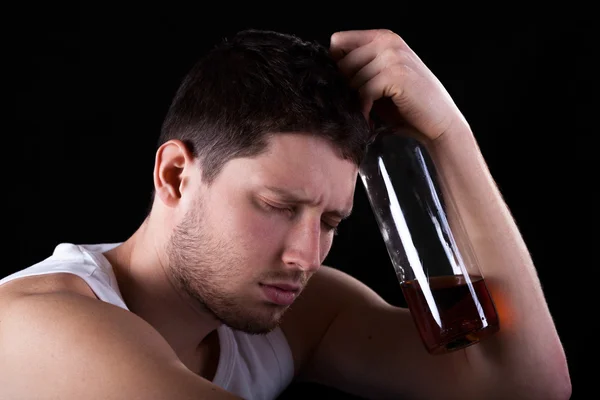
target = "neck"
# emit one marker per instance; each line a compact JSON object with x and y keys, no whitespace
{"x":140,"y":265}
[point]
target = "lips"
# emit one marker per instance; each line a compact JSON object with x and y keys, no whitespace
{"x":285,"y":286}
{"x":280,"y":293}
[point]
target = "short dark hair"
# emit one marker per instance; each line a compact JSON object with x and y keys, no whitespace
{"x":258,"y":83}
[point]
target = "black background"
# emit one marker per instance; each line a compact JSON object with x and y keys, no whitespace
{"x":89,"y":88}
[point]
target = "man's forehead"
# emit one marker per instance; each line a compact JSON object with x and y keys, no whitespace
{"x":286,"y":141}
{"x":300,"y":164}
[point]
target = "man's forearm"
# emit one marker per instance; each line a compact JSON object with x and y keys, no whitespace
{"x":526,"y":354}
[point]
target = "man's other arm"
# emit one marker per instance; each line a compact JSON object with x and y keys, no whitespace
{"x":68,"y":346}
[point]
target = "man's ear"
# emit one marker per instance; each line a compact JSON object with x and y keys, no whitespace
{"x":172,"y":164}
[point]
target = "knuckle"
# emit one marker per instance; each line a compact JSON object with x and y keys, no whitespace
{"x":389,"y":56}
{"x":386,"y":35}
{"x":394,"y":59}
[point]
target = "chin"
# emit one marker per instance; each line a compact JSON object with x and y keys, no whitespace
{"x":253,"y":327}
{"x":256,"y":323}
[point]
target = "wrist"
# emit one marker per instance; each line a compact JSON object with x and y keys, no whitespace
{"x":458,"y":137}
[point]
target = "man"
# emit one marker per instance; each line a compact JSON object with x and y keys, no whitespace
{"x":221,"y":293}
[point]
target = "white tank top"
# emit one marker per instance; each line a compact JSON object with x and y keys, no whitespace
{"x":251,"y":366}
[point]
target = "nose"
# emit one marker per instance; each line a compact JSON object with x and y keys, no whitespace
{"x":303,"y":246}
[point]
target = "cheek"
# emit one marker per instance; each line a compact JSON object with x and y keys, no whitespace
{"x":256,"y":232}
{"x":326,"y":243}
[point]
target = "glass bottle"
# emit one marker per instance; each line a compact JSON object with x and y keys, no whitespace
{"x":440,"y":279}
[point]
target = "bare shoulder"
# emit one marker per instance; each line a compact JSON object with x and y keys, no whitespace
{"x":329,"y":292}
{"x":60,"y":343}
{"x":21,"y":291}
{"x":40,"y":284}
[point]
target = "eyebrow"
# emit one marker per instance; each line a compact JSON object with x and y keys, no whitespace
{"x":290,"y":196}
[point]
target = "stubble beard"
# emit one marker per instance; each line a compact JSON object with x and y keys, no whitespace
{"x":202,"y":266}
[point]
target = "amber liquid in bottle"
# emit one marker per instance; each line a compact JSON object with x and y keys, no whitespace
{"x":461,"y":314}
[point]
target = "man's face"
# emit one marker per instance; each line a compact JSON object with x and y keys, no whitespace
{"x":254,"y":237}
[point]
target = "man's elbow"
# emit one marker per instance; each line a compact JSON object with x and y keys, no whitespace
{"x":558,"y":389}
{"x":557,"y":386}
{"x":562,"y":389}
{"x":550,"y":381}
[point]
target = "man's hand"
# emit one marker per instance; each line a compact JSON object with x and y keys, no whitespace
{"x":394,"y":83}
